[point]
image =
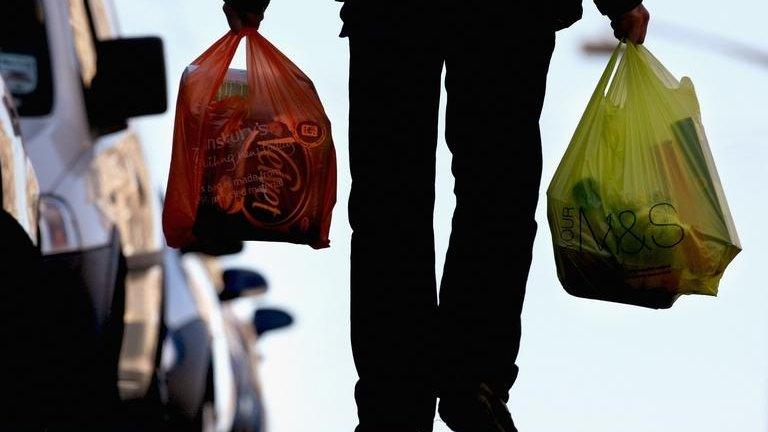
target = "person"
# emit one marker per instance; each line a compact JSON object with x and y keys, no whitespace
{"x":408,"y":349}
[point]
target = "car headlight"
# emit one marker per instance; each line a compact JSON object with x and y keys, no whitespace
{"x":58,"y":231}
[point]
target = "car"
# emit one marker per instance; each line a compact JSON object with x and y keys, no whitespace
{"x":77,"y":84}
{"x":209,"y":364}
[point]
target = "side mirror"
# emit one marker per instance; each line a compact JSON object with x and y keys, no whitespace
{"x":130,"y":81}
{"x":242,"y":283}
{"x":217,"y":248}
{"x":267,"y":320}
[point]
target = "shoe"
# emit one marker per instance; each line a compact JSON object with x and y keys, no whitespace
{"x":475,"y":410}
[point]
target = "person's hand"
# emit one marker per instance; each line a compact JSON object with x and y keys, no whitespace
{"x":239,"y":19}
{"x":633,"y":25}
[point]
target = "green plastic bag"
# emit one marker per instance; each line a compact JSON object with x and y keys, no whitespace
{"x":636,"y":208}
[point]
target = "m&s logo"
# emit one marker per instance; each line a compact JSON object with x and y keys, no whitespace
{"x":626,"y":232}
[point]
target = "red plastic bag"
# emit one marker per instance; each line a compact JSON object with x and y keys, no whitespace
{"x":253,"y":156}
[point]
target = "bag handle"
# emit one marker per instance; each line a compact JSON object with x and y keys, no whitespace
{"x":271,"y":64}
{"x":608,"y":74}
{"x":217,"y":59}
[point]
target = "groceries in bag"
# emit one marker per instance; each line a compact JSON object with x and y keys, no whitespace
{"x":253,"y":152}
{"x":636,"y":210}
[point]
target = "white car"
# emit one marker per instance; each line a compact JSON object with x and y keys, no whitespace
{"x":210,"y":364}
{"x":76,"y":84}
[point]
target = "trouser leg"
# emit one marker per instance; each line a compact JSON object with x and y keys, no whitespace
{"x":496,"y":85}
{"x":394,"y":99}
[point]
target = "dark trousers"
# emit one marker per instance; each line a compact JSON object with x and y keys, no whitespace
{"x":406,"y":348}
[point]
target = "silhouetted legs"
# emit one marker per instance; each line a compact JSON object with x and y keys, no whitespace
{"x":405,"y":349}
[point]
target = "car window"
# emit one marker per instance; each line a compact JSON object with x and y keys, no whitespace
{"x":25,"y":62}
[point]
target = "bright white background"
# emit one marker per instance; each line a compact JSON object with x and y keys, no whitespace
{"x":585,"y":365}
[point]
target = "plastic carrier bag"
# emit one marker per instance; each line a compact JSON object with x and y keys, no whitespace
{"x":636,"y":208}
{"x":253,"y":157}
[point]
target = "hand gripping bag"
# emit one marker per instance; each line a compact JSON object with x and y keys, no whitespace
{"x":253,"y":156}
{"x":636,"y":209}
